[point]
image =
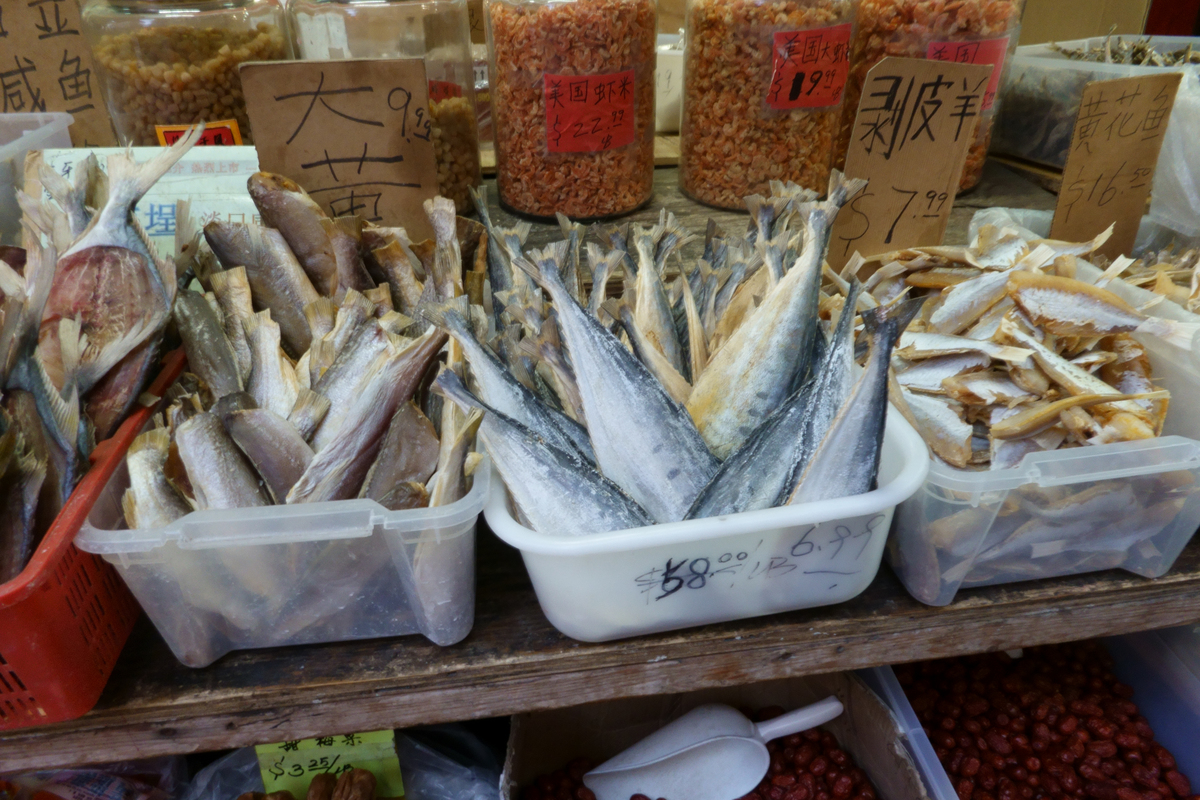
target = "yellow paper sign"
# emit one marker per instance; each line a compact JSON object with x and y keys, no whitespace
{"x":291,"y":766}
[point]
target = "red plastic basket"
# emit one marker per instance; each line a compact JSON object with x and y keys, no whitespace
{"x":65,"y":618}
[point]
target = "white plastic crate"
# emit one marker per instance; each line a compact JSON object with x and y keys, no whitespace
{"x":677,"y":575}
{"x":216,"y":581}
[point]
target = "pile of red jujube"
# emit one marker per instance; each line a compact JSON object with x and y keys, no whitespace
{"x":804,"y":766}
{"x":1053,"y":724}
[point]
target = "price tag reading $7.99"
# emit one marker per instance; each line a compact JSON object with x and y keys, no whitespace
{"x":589,"y":113}
{"x":811,"y":68}
{"x":291,"y":766}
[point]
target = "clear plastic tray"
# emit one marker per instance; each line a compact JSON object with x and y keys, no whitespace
{"x":1167,"y":694}
{"x":1142,"y":504}
{"x":1041,"y":93}
{"x":20,"y":133}
{"x":677,"y":575}
{"x":216,"y":581}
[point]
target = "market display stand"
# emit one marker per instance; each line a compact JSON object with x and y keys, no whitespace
{"x":515,"y":661}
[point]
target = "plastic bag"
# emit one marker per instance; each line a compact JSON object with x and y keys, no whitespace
{"x":227,"y":777}
{"x":1175,"y":203}
{"x":446,"y":762}
{"x":142,"y":779}
{"x":1031,"y":224}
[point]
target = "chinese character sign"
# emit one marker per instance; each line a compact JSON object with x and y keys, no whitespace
{"x":915,"y":122}
{"x":1110,"y":168}
{"x":811,"y":67}
{"x":291,"y":766}
{"x":984,"y":51}
{"x":589,"y":113}
{"x":355,"y":134}
{"x":46,"y":65}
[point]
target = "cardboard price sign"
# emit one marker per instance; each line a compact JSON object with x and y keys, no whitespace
{"x":355,"y":134}
{"x":47,"y":66}
{"x":291,"y":766}
{"x":1110,"y":169}
{"x":915,"y":121}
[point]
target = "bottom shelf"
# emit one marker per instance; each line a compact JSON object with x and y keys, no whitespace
{"x":514,"y":661}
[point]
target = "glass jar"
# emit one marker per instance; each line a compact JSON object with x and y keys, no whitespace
{"x":762,"y":95}
{"x":968,"y":31}
{"x":572,"y":87}
{"x":437,"y":31}
{"x":175,"y":62}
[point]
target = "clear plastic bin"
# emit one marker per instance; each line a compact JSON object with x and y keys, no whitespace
{"x":1040,"y":96}
{"x":20,"y":133}
{"x":1166,"y":692}
{"x":1138,"y":502}
{"x":677,"y":575}
{"x":224,"y":580}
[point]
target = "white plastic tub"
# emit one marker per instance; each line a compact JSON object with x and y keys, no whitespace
{"x":216,"y":581}
{"x":20,"y":133}
{"x":664,"y":577}
{"x":949,"y":534}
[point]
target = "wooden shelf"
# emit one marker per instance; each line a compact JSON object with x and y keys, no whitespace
{"x":515,"y":661}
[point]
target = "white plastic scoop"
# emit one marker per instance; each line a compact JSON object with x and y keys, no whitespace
{"x":710,"y":753}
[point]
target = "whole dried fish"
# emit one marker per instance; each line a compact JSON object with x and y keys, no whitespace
{"x":210,"y":355}
{"x":269,"y":383}
{"x":300,"y":220}
{"x":273,"y":445}
{"x":150,"y":501}
{"x":584,"y":502}
{"x":218,"y":473}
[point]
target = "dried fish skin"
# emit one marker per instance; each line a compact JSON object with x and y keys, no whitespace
{"x":1039,"y":416}
{"x":927,"y":375}
{"x":939,"y":424}
{"x":113,"y":397}
{"x":919,"y":346}
{"x":1067,"y":307}
{"x":409,"y":454}
{"x":582,"y":500}
{"x":966,"y":302}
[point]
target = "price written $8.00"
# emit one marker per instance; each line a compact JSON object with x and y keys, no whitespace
{"x":810,"y":554}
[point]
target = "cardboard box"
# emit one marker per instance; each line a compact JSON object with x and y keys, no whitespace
{"x":543,"y":742}
{"x":1060,"y":20}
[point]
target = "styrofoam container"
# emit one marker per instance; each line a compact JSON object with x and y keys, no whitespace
{"x":1138,"y":502}
{"x":1041,"y":93}
{"x":1166,"y":692}
{"x":216,"y":581}
{"x":677,"y":575}
{"x":20,"y":133}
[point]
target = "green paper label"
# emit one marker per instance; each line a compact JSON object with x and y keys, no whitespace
{"x":291,"y":766}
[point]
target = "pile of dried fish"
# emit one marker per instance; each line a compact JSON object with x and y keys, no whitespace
{"x":1138,"y":53}
{"x":303,"y":373}
{"x":83,"y":307}
{"x":716,"y":393}
{"x":1172,"y":272}
{"x":1012,"y":355}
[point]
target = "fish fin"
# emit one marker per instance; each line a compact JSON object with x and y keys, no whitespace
{"x":64,"y":414}
{"x":842,"y":188}
{"x":157,"y":439}
{"x":471,"y":463}
{"x":355,"y":299}
{"x":1179,"y":334}
{"x":310,"y":406}
{"x":479,"y":198}
{"x":440,"y":211}
{"x":450,"y":315}
{"x":252,"y":323}
{"x":1115,"y":269}
{"x":97,"y":183}
{"x":394,"y":322}
{"x":321,"y":314}
{"x":128,"y":180}
{"x":129,"y":507}
{"x":452,"y":387}
{"x":72,"y":343}
{"x":12,"y":283}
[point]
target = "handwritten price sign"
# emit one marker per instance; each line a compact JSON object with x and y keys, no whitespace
{"x":832,"y":551}
{"x":292,"y":765}
{"x":1110,"y":169}
{"x":589,"y":113}
{"x":915,"y":122}
{"x":356,"y":134}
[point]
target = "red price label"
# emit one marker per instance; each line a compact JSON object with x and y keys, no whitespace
{"x":986,"y":51}
{"x":441,"y":90}
{"x":219,"y":132}
{"x":811,"y":68}
{"x":589,"y":113}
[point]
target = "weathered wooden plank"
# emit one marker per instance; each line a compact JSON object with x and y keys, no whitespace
{"x":514,"y":661}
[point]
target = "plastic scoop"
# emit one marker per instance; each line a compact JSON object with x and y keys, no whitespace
{"x":710,"y":753}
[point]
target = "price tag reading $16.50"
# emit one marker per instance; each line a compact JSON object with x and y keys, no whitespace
{"x":1114,"y":152}
{"x":292,"y":765}
{"x":915,"y":122}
